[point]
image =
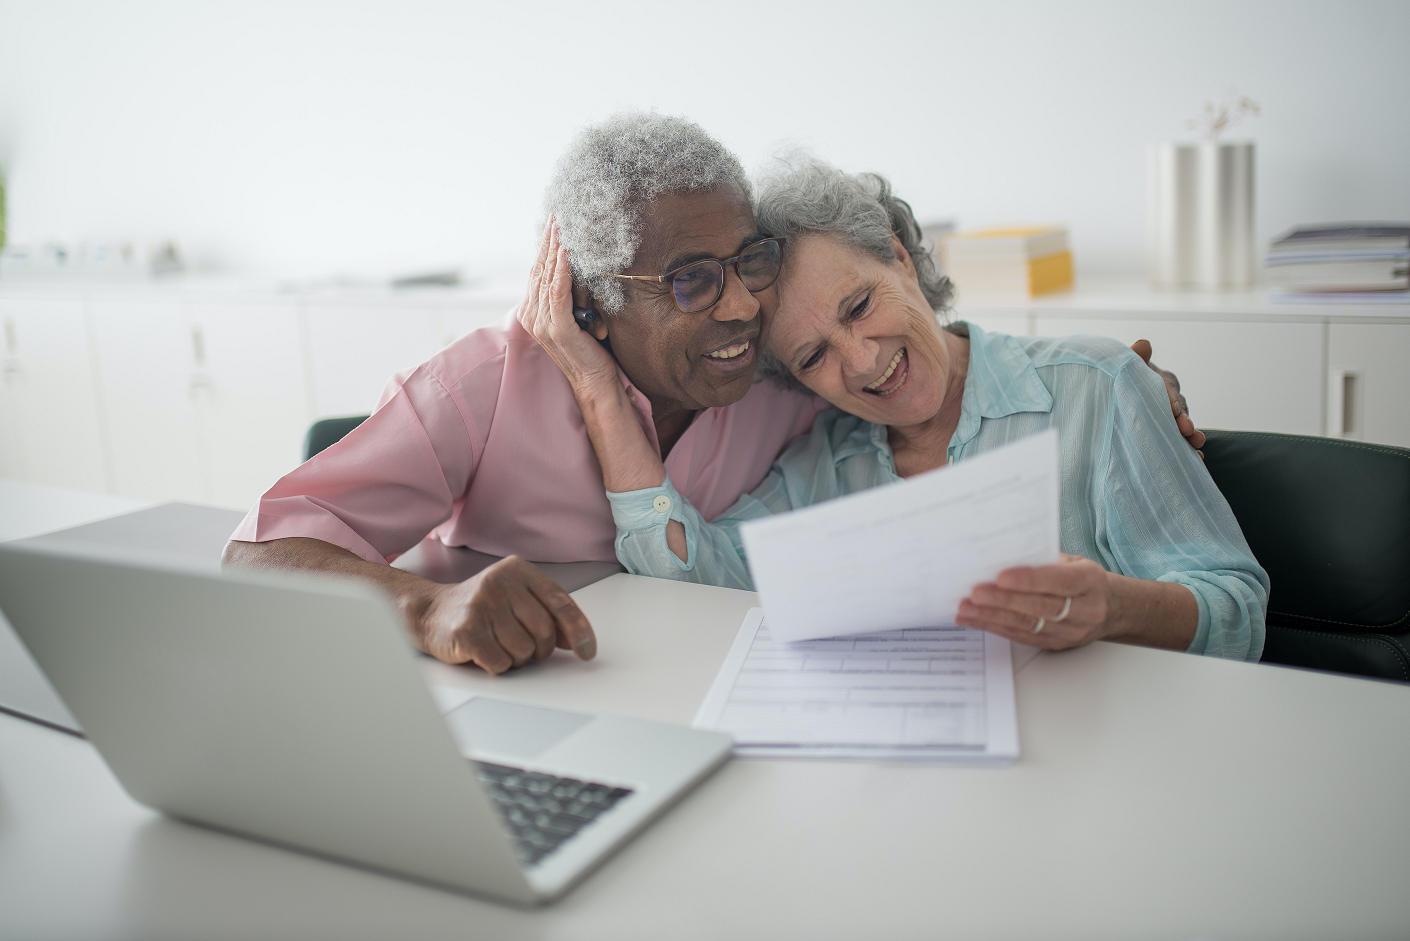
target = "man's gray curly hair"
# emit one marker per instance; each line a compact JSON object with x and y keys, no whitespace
{"x":610,"y":172}
{"x":806,"y":196}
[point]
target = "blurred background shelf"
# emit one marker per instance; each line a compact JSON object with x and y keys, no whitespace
{"x":202,"y":390}
{"x":1244,"y":362}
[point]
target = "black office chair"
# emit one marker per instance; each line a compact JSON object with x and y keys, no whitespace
{"x":1330,"y":521}
{"x":329,"y":431}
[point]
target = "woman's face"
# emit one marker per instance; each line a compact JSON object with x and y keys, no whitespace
{"x":859,"y":332}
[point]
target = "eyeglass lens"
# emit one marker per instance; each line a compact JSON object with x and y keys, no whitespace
{"x":700,"y":286}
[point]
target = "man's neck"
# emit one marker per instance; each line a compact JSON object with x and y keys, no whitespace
{"x":671,"y":420}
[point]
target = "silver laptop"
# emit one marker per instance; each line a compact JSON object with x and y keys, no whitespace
{"x":291,"y":709}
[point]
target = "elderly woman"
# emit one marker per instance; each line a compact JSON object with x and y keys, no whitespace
{"x":1152,"y":553}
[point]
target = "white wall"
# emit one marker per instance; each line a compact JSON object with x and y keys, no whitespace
{"x":312,"y":139}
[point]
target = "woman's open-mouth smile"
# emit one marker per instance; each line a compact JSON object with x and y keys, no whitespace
{"x":894,"y":377}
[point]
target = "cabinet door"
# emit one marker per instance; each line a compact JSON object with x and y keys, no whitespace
{"x":355,"y":347}
{"x":1369,"y":385}
{"x":49,"y":425}
{"x":248,"y":390}
{"x":1235,"y":376}
{"x":147,"y":377}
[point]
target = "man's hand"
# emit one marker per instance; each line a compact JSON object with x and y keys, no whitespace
{"x":1178,"y":407}
{"x":504,"y":617}
{"x":507,"y":615}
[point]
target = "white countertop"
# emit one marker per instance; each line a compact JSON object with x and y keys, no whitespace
{"x":1158,"y":795}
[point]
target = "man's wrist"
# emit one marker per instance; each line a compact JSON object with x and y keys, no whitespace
{"x":414,"y":602}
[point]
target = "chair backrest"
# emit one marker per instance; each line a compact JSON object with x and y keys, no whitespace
{"x":329,"y":431}
{"x":1330,"y":521}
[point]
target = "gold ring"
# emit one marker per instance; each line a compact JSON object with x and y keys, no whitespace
{"x":1066,"y":607}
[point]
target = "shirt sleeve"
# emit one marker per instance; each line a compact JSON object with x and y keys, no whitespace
{"x":1160,"y":516}
{"x":804,"y":474}
{"x":382,"y":488}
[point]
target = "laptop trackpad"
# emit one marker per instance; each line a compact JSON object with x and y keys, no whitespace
{"x":509,"y":728}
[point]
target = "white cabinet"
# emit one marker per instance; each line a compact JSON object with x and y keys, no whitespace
{"x":249,"y":394}
{"x":146,"y":354}
{"x":1238,"y":376}
{"x":1368,"y":382}
{"x":49,"y":421}
{"x":203,"y":392}
{"x":356,"y":344}
{"x":205,"y":397}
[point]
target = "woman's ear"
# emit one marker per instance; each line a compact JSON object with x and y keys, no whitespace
{"x":582,"y":298}
{"x":903,"y":256}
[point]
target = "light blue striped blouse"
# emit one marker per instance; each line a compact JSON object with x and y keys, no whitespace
{"x":1135,"y":496}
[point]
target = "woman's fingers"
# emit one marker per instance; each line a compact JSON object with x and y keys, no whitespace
{"x":1030,"y":604}
{"x":1074,"y":575}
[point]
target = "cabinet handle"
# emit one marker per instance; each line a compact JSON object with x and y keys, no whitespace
{"x":1344,"y":403}
{"x":198,"y":347}
{"x":200,"y":382}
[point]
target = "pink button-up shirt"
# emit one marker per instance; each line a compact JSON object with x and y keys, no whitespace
{"x":483,"y":446}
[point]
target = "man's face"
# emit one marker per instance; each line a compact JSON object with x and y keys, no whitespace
{"x":665,"y":353}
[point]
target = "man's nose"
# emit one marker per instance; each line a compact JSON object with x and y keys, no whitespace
{"x":735,"y":303}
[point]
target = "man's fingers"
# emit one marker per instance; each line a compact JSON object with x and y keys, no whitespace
{"x":1142,"y":348}
{"x":537,"y":622}
{"x":480,"y":647}
{"x":573,"y":630}
{"x":514,"y":639}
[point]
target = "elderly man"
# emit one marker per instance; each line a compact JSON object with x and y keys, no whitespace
{"x":484,"y":446}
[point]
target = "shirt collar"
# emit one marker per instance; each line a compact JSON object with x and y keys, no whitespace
{"x":1001,"y":381}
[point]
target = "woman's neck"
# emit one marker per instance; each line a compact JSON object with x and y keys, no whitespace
{"x":924,"y":446}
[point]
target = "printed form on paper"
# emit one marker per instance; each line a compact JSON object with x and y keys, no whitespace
{"x":907,"y":554}
{"x":859,"y":655}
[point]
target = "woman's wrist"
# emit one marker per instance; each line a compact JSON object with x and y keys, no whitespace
{"x":1150,"y":613}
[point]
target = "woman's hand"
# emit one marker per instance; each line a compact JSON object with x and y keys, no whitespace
{"x":547,"y":314}
{"x":1012,"y":604}
{"x":1178,"y":406}
{"x":628,"y":459}
{"x":1076,"y":602}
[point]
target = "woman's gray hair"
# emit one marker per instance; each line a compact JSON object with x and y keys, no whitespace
{"x":809,"y":197}
{"x":608,"y":175}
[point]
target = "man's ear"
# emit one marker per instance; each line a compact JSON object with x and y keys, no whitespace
{"x":902,"y":256}
{"x":581,"y":298}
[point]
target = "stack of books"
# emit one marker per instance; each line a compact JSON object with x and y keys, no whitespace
{"x":1355,"y":262}
{"x":1008,"y":264}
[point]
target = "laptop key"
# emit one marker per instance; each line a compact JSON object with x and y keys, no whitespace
{"x":543,"y":811}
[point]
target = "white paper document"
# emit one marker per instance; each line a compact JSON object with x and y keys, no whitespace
{"x":905,"y":555}
{"x":921,"y":693}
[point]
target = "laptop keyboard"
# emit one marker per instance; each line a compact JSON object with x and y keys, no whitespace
{"x":543,"y":811}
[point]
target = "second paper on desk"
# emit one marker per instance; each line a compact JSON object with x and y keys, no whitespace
{"x":906,"y":555}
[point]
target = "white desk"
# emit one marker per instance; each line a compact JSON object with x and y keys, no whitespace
{"x":1159,"y":795}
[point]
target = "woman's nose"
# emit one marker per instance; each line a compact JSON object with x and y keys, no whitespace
{"x":859,"y":356}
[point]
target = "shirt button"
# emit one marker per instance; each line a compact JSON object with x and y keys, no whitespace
{"x":662,"y":504}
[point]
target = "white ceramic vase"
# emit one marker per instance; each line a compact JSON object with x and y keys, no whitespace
{"x":1201,"y":215}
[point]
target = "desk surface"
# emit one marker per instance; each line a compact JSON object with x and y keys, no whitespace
{"x":1159,"y":795}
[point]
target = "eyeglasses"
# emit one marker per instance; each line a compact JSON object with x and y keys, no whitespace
{"x":698,"y":285}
